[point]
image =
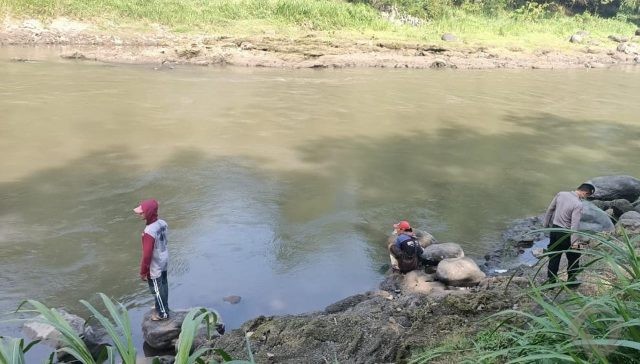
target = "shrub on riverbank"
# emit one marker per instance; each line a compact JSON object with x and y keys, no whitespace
{"x":569,"y":326}
{"x":118,"y":327}
{"x":479,"y":22}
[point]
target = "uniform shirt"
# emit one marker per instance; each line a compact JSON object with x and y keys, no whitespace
{"x":565,"y":211}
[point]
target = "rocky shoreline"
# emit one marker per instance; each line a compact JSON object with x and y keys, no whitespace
{"x":82,"y":41}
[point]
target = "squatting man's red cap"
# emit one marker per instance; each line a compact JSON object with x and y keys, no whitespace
{"x":402,"y":225}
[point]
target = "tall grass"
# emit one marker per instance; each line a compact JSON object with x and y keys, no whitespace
{"x":529,"y":27}
{"x":204,"y":14}
{"x":572,"y":327}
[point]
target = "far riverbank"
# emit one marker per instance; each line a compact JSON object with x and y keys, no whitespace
{"x":312,"y":49}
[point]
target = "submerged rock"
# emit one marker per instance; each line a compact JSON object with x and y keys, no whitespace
{"x":232,"y":299}
{"x":459,"y":272}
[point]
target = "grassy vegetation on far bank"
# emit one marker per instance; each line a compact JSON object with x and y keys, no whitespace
{"x":529,"y":26}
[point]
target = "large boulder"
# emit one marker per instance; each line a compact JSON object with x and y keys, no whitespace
{"x":630,"y":222}
{"x":594,"y":219}
{"x":38,"y":329}
{"x":435,"y":253}
{"x":461,"y":272}
{"x":616,"y":207}
{"x":424,"y":238}
{"x":615,"y":187}
{"x":162,"y":334}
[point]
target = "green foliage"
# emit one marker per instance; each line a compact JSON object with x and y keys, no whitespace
{"x":73,"y":344}
{"x":201,"y":14}
{"x":572,"y":327}
{"x":533,"y":12}
{"x":189,"y":330}
{"x":12,"y":350}
{"x":118,"y":327}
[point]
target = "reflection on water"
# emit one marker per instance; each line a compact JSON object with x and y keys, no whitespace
{"x":280,"y":186}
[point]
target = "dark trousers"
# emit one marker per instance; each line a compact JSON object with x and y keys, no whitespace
{"x":160,"y":290}
{"x":559,"y":241}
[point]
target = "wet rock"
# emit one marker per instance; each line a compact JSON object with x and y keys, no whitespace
{"x":425,"y":239}
{"x":618,"y":38}
{"x":75,"y":55}
{"x":166,"y":359}
{"x":437,"y":252}
{"x":638,"y":31}
{"x":618,"y":207}
{"x":521,"y":232}
{"x":232,"y":299}
{"x":162,"y":334}
{"x":449,"y":37}
{"x":347,"y":303}
{"x":537,"y":252}
{"x":630,"y":222}
{"x":595,"y":219}
{"x":22,"y":60}
{"x":37,"y":329}
{"x":459,"y":272}
{"x":616,"y":187}
{"x":575,"y":38}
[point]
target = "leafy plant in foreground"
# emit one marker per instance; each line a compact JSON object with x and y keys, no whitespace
{"x":12,"y":350}
{"x":572,"y":327}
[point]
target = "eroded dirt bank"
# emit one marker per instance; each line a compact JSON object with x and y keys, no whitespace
{"x":83,"y":41}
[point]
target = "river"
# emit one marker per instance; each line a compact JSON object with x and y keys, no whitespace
{"x":279,"y":186}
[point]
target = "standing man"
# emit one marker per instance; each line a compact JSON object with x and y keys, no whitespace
{"x":155,"y":257}
{"x":565,"y":212}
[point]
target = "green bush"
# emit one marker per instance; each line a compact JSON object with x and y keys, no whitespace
{"x":572,"y":327}
{"x":118,"y":327}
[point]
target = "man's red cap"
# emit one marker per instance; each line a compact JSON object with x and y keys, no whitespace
{"x":402,"y":225}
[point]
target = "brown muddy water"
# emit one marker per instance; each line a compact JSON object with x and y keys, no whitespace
{"x":279,"y":186}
